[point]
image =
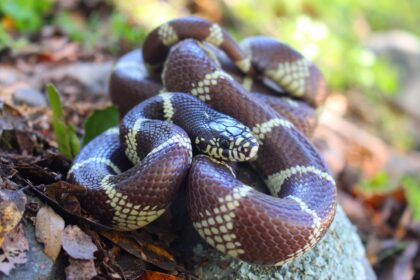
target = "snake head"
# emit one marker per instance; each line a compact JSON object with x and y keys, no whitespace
{"x":228,"y":140}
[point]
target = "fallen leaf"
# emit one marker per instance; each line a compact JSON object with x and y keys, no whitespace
{"x":80,"y":269}
{"x":15,"y":248}
{"x":78,"y":244}
{"x":125,"y":242}
{"x":11,"y":118}
{"x":12,"y":206}
{"x":153,"y":275}
{"x":49,"y":230}
{"x":149,"y":253}
{"x":131,"y":267}
{"x":160,"y":251}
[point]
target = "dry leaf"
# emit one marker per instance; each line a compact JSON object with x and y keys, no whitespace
{"x":78,"y":244}
{"x":149,"y":253}
{"x":49,"y":230}
{"x":15,"y":249}
{"x":160,"y":251}
{"x":12,"y":206}
{"x":153,"y":275}
{"x":80,"y":269}
{"x":131,"y":267}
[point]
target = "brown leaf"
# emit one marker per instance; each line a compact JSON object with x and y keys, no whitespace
{"x":78,"y":244}
{"x":12,"y":206}
{"x":80,"y":269}
{"x":160,"y":251}
{"x":125,"y":242}
{"x":130,"y":266}
{"x":143,"y":250}
{"x":153,"y":275}
{"x":11,"y":118}
{"x":15,"y":248}
{"x":49,"y":230}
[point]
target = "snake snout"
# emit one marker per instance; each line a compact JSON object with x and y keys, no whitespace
{"x":228,"y":140}
{"x":241,"y":147}
{"x":245,"y":148}
{"x":231,"y":141}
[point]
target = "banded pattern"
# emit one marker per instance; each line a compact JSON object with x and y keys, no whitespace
{"x":244,"y":65}
{"x":167,"y":34}
{"x":278,"y":229}
{"x":168,"y":108}
{"x":131,"y":140}
{"x":96,"y":160}
{"x":261,"y":129}
{"x":287,"y":68}
{"x":201,"y":89}
{"x":291,"y":75}
{"x":216,"y":35}
{"x":276,"y":180}
{"x":281,"y":147}
{"x":158,"y":42}
{"x":128,"y":215}
{"x":111,"y":179}
{"x":216,"y":225}
{"x":133,"y":180}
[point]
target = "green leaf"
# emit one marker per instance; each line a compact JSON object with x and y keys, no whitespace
{"x":65,"y":135}
{"x":61,"y":136}
{"x":99,"y":121}
{"x":380,"y":183}
{"x":412,"y":193}
{"x":74,"y":141}
{"x":54,"y":99}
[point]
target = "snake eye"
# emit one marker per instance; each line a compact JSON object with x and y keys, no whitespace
{"x":224,"y":143}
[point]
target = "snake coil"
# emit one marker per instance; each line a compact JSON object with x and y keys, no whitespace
{"x":188,"y":71}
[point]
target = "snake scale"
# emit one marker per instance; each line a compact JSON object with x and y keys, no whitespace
{"x":256,"y":101}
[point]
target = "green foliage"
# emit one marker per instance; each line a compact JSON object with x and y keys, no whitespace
{"x":6,"y":40}
{"x":26,"y":15}
{"x":99,"y":121}
{"x":121,"y":26}
{"x":332,"y":34}
{"x":67,"y":140}
{"x":94,"y":32}
{"x":412,"y":191}
{"x":380,"y":183}
{"x":96,"y":123}
{"x":334,"y":42}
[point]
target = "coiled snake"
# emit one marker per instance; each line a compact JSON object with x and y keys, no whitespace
{"x":132,"y":173}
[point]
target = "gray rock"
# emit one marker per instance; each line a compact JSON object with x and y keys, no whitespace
{"x":339,"y":255}
{"x":30,"y":97}
{"x":10,"y":76}
{"x":403,"y":51}
{"x":92,"y":76}
{"x":39,"y":265}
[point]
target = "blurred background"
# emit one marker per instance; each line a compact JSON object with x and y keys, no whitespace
{"x":369,"y":52}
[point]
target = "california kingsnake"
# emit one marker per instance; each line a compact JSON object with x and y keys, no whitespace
{"x":230,"y":216}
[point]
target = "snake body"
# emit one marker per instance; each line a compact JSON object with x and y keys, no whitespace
{"x":229,"y":215}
